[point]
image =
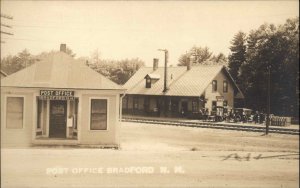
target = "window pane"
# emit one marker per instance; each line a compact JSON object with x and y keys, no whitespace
{"x":214,"y":105}
{"x":39,"y":113}
{"x":225,"y":86}
{"x":194,"y":106}
{"x":135,"y":102}
{"x":98,"y":114}
{"x":225,"y":103}
{"x":14,"y":112}
{"x":214,"y":85}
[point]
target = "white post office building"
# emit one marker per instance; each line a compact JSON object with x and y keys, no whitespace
{"x":59,"y":101}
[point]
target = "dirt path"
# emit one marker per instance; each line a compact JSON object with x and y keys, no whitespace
{"x":161,"y":156}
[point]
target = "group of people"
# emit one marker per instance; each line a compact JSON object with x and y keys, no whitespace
{"x":235,"y":116}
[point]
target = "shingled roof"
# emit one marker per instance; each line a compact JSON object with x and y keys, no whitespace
{"x":181,"y":82}
{"x":59,"y":70}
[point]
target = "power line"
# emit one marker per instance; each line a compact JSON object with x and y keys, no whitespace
{"x":7,"y":33}
{"x":4,"y":25}
{"x":18,"y":39}
{"x":33,"y":40}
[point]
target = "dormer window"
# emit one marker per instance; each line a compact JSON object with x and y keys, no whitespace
{"x":148,"y":83}
{"x":151,"y":79}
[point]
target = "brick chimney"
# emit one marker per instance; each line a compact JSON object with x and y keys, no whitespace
{"x":63,"y":48}
{"x":188,"y":63}
{"x":166,"y":72}
{"x":155,"y":64}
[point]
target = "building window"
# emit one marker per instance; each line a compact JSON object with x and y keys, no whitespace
{"x":135,"y":102}
{"x":225,"y":103}
{"x":225,"y":86}
{"x":146,"y":103}
{"x":14,"y":112}
{"x":39,"y":113}
{"x":214,"y":106}
{"x":148,"y":83}
{"x":98,"y":114}
{"x":194,"y":106}
{"x":124,"y":102}
{"x":214,"y":85}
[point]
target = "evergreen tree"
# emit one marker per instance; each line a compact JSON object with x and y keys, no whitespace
{"x":277,"y":47}
{"x":237,"y":56}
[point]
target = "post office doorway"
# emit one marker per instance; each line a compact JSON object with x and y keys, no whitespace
{"x":58,"y":119}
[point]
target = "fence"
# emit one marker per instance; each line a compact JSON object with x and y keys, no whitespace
{"x":280,"y":121}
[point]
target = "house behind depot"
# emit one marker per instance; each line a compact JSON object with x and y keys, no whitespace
{"x":189,"y":91}
{"x":59,"y":101}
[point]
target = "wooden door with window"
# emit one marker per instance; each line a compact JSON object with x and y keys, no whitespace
{"x":58,"y":119}
{"x":184,"y":108}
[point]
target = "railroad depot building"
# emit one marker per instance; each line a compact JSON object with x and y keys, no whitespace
{"x":186,"y":91}
{"x":59,"y":101}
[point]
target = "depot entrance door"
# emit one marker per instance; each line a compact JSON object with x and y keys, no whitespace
{"x":58,"y":119}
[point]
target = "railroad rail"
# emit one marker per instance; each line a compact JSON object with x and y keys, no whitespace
{"x":214,"y":125}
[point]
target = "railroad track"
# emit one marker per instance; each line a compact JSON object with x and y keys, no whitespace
{"x":214,"y":125}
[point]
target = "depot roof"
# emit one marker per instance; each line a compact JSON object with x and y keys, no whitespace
{"x":181,"y":82}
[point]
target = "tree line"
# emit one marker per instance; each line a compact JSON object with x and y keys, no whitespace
{"x":118,"y":71}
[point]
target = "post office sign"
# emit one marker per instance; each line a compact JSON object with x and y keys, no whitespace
{"x":56,"y":95}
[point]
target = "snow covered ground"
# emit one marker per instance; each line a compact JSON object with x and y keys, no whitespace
{"x":161,"y":156}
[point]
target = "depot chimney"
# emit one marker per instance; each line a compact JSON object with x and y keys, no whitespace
{"x":166,"y":71}
{"x":63,"y":48}
{"x":188,"y":63}
{"x":155,"y":64}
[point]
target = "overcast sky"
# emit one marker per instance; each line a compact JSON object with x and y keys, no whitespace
{"x":135,"y":29}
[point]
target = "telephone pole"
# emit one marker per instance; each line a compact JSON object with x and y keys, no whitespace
{"x":268,"y":100}
{"x":166,"y":69}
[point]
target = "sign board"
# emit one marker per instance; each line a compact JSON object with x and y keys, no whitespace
{"x":56,"y":95}
{"x":220,"y":98}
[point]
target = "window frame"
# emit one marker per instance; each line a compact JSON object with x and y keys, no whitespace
{"x":146,"y":103}
{"x":216,"y":86}
{"x":5,"y":111}
{"x":90,"y":113}
{"x":137,"y":100}
{"x":38,"y":115}
{"x":148,"y":82}
{"x":225,"y":90}
{"x":225,"y":102}
{"x":212,"y":105}
{"x":196,"y":107}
